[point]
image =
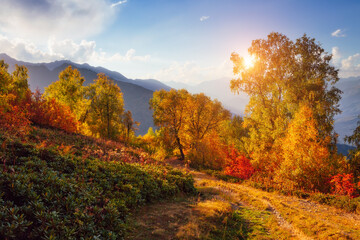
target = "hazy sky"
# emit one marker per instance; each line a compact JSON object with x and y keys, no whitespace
{"x":185,"y":41}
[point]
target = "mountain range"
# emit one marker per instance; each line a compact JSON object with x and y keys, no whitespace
{"x":137,"y":92}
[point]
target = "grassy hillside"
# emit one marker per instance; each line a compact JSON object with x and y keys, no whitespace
{"x":55,"y":185}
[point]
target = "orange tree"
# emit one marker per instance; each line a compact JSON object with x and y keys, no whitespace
{"x":191,"y":120}
{"x":285,"y":75}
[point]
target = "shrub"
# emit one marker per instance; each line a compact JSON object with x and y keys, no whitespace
{"x":344,"y":184}
{"x":238,"y":165}
{"x":49,"y":112}
{"x":45,"y":195}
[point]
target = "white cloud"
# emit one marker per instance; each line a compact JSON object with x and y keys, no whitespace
{"x":36,"y":20}
{"x":336,"y":55}
{"x":338,"y":33}
{"x":204,"y":18}
{"x":118,"y":3}
{"x":84,"y":51}
{"x":192,"y":73}
{"x":348,"y":66}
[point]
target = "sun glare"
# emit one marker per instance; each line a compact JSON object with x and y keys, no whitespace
{"x":249,"y":61}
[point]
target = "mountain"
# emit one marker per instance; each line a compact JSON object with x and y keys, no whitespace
{"x":136,"y":93}
{"x":346,"y":122}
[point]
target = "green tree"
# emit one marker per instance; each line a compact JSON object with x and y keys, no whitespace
{"x":104,"y":115}
{"x":285,"y":75}
{"x":20,"y":84}
{"x":69,"y":90}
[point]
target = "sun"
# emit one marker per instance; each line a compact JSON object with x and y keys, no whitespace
{"x":249,"y":61}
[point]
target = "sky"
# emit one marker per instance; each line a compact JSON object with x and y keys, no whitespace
{"x":188,"y":41}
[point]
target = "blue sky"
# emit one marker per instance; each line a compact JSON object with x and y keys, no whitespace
{"x":185,"y":41}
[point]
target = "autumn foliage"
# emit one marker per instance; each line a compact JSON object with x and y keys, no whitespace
{"x":237,"y":165}
{"x":49,"y":112}
{"x":344,"y":184}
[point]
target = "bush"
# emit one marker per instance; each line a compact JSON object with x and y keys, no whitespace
{"x":344,"y":184}
{"x":47,"y":195}
{"x":238,"y":165}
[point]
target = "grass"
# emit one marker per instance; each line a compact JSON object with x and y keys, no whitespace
{"x":300,"y":217}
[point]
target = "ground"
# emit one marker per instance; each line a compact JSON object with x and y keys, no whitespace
{"x":236,"y":211}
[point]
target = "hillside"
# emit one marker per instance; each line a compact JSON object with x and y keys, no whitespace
{"x":63,"y":186}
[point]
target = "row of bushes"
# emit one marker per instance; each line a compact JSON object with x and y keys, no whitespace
{"x":45,"y":195}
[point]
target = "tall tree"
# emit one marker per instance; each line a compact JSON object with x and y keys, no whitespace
{"x":170,"y":113}
{"x":285,"y":75}
{"x":106,"y":108}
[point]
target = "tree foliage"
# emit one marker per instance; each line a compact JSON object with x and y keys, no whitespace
{"x":104,"y":114}
{"x":69,"y":90}
{"x":170,"y":113}
{"x":191,"y":120}
{"x":286,"y":75}
{"x":14,"y":96}
{"x":307,"y":163}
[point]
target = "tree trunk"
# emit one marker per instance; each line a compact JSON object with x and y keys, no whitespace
{"x":180,"y":148}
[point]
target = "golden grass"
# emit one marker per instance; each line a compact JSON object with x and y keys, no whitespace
{"x":306,"y":220}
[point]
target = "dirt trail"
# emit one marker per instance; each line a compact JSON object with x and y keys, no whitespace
{"x":298,"y":218}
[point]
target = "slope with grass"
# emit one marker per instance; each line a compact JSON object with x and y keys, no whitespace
{"x":55,"y":185}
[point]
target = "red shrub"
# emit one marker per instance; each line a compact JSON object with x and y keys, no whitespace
{"x":344,"y":184}
{"x":49,"y":112}
{"x":238,"y":165}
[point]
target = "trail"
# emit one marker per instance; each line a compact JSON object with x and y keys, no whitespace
{"x":294,"y":218}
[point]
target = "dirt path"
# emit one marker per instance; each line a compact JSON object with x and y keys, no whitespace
{"x":289,"y":217}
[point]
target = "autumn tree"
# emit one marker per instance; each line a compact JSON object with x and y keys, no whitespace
{"x":170,"y":113}
{"x":285,"y":75}
{"x":104,"y":114}
{"x":307,"y":162}
{"x":192,"y":121}
{"x":69,"y":90}
{"x":14,"y":115}
{"x":204,"y":116}
{"x":354,"y":156}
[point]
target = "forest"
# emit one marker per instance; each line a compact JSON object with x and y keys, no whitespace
{"x":73,"y":166}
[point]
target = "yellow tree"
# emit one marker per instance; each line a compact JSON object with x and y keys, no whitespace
{"x":307,"y":162}
{"x":104,"y":115}
{"x":69,"y":90}
{"x":285,"y":74}
{"x":204,"y":116}
{"x":169,"y":113}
